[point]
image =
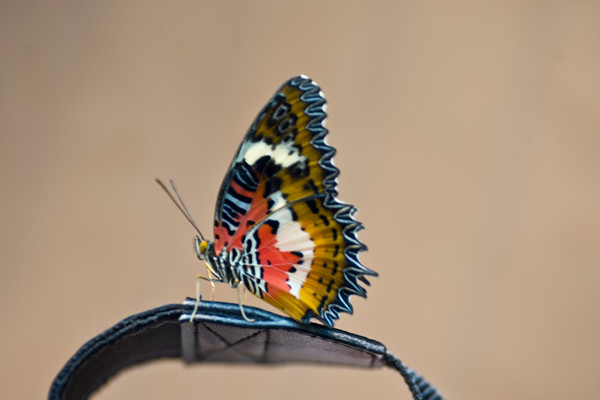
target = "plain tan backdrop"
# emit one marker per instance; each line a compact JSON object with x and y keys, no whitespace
{"x":468,"y":135}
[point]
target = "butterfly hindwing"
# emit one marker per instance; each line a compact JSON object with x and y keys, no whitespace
{"x":278,"y":206}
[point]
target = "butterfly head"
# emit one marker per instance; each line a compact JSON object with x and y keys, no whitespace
{"x":202,"y":247}
{"x":206,"y":252}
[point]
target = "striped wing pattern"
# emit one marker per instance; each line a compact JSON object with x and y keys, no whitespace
{"x":295,"y":243}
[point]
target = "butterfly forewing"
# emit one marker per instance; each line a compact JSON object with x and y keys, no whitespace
{"x":277,"y":205}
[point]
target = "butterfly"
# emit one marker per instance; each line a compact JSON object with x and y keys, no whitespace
{"x":279,"y":231}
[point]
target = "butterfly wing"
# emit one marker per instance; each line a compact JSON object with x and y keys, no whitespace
{"x":278,"y":205}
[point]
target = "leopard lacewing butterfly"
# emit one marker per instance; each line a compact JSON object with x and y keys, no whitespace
{"x":279,"y":230}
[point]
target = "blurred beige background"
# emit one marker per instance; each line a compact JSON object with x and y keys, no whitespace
{"x":468,"y":136}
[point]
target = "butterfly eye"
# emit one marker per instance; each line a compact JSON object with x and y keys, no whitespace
{"x":201,"y":246}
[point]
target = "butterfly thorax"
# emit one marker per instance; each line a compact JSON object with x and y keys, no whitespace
{"x":224,"y":266}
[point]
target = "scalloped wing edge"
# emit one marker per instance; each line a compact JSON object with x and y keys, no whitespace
{"x":343,"y":213}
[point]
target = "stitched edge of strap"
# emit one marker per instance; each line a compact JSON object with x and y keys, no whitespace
{"x":228,"y":313}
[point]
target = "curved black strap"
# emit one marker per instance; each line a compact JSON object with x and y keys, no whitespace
{"x":220,"y":334}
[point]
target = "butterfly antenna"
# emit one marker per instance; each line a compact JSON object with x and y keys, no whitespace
{"x":181,"y":207}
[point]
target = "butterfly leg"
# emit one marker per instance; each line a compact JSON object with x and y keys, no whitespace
{"x":210,"y":279}
{"x":212,"y":283}
{"x":239,"y":292}
{"x":197,"y":299}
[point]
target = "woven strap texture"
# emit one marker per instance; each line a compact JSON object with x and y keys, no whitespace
{"x":219,"y":334}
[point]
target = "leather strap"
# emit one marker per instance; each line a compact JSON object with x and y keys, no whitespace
{"x":220,"y":334}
